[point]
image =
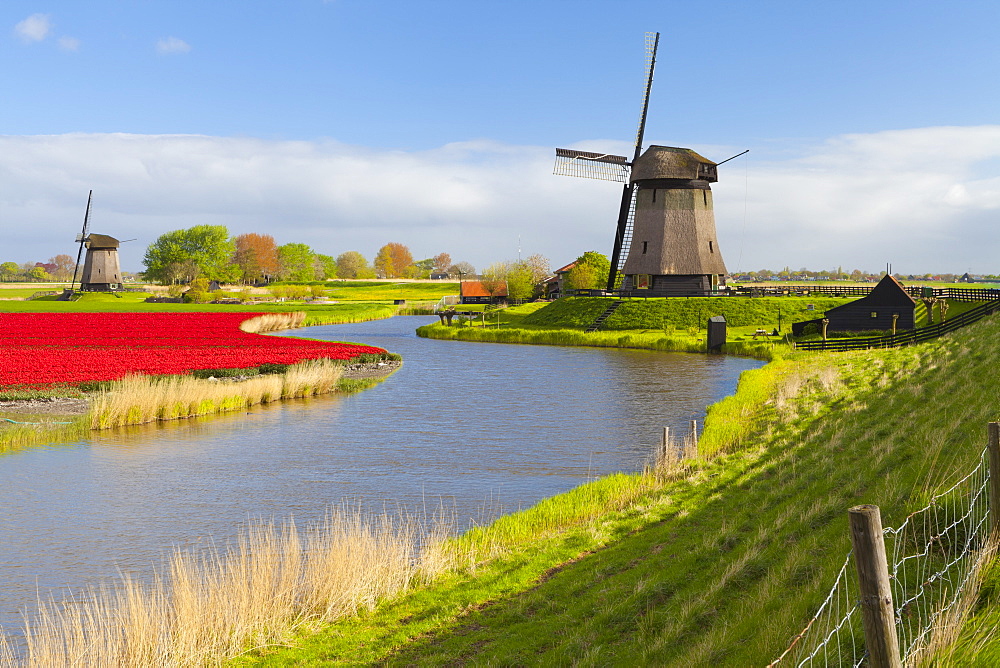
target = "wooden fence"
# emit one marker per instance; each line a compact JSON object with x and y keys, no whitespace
{"x":915,"y":291}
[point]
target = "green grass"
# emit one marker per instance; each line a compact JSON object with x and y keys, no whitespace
{"x":654,"y":340}
{"x":682,"y":313}
{"x":722,"y":564}
{"x":378,"y":290}
{"x":316,"y":314}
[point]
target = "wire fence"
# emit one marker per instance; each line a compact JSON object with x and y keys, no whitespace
{"x":933,"y":555}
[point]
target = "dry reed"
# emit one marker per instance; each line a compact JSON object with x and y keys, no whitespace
{"x":273,"y":322}
{"x":217,"y":604}
{"x":141,"y":399}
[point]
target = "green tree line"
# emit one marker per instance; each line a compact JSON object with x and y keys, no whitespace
{"x":208,"y":251}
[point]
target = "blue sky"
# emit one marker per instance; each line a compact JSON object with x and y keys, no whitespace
{"x":873,"y":127}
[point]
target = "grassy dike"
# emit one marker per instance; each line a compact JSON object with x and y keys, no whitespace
{"x":720,"y":561}
{"x":669,"y":325}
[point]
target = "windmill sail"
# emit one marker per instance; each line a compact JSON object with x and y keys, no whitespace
{"x":626,"y":215}
{"x":603,"y":166}
{"x":82,"y":239}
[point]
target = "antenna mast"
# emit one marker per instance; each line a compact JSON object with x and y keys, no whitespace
{"x":82,"y":239}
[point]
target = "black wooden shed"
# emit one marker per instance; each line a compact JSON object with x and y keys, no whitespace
{"x":873,"y":312}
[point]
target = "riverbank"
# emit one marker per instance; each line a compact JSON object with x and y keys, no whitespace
{"x":689,"y":560}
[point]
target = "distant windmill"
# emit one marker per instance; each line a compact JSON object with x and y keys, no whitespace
{"x":101,"y":271}
{"x":665,"y":241}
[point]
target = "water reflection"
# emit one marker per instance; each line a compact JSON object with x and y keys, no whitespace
{"x":464,"y":422}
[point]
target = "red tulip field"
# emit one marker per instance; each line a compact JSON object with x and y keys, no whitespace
{"x":40,"y":349}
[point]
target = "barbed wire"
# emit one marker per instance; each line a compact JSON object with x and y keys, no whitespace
{"x":934,"y":553}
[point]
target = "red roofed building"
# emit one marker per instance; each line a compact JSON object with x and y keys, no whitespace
{"x":473,"y":292}
{"x":556,"y":285}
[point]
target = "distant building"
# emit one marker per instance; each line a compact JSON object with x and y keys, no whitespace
{"x":473,"y":292}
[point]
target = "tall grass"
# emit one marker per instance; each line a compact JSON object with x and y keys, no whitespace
{"x":273,"y":322}
{"x":210,"y":605}
{"x":141,"y":399}
{"x":16,"y":436}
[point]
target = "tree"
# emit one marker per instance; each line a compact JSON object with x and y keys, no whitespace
{"x":325,"y":266}
{"x":539,"y":267}
{"x":441,"y":263}
{"x":295,"y":262}
{"x":64,"y":267}
{"x":256,"y":255}
{"x":494,"y":278}
{"x":420,"y":269}
{"x":9,"y":270}
{"x":462,"y":269}
{"x":38,"y":274}
{"x":392,"y":260}
{"x":590,"y":272}
{"x":208,"y":247}
{"x":520,"y":281}
{"x":352,"y":264}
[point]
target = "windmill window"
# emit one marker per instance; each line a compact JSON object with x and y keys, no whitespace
{"x":704,"y":197}
{"x":874,"y":314}
{"x":710,"y":248}
{"x":645,"y":244}
{"x":654,"y":194}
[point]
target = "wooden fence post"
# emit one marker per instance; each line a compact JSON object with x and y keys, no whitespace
{"x":873,"y":578}
{"x":993,"y":452}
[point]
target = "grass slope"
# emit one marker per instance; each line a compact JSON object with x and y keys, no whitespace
{"x":726,"y":563}
{"x":681,"y":313}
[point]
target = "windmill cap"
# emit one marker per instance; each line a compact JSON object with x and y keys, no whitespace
{"x":101,"y":241}
{"x":671,"y":162}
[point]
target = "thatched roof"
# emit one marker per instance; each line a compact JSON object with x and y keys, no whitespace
{"x":668,"y":162}
{"x":101,"y":241}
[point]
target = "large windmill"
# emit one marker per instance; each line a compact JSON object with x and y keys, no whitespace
{"x":665,"y":241}
{"x":101,"y":270}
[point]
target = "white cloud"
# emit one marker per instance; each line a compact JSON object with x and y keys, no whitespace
{"x":926,"y":199}
{"x":169,"y":45}
{"x":69,"y":43}
{"x":35,"y":28}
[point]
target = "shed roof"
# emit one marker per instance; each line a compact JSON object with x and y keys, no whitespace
{"x":887,"y":292}
{"x":476,"y":289}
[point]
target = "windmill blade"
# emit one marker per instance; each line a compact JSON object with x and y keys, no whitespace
{"x":602,"y":166}
{"x":652,"y":42}
{"x":82,"y":238}
{"x":623,"y":236}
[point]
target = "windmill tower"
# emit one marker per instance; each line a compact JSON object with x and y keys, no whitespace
{"x":665,"y":240}
{"x":101,"y":270}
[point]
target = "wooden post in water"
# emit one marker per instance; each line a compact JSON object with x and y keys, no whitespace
{"x":694,"y":436}
{"x":877,"y":613}
{"x":666,"y":443}
{"x":993,"y":452}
